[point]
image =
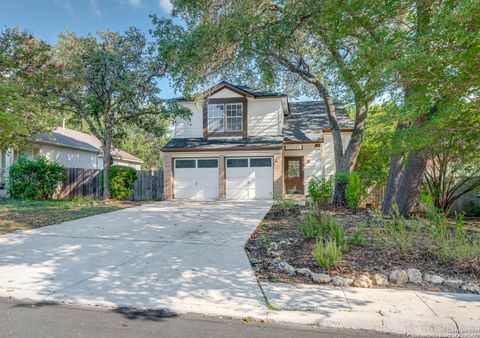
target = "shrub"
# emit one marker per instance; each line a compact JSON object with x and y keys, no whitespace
{"x":327,"y":254}
{"x":36,"y":180}
{"x":358,"y":237}
{"x":336,"y":232}
{"x":120,"y":181}
{"x":310,"y":227}
{"x":285,"y":205}
{"x":320,"y":192}
{"x":352,"y":192}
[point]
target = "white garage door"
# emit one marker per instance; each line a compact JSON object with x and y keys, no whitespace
{"x":196,"y":179}
{"x":249,"y":178}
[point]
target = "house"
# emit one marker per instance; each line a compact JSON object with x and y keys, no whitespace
{"x":245,"y":143}
{"x":69,"y":147}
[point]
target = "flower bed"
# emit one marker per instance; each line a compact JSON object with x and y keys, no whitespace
{"x":279,"y":252}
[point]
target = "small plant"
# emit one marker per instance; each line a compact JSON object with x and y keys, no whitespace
{"x":320,"y":192}
{"x":327,"y":254}
{"x":331,"y":227}
{"x":35,"y":180}
{"x":352,"y":192}
{"x":310,"y":227}
{"x":358,"y":237}
{"x":120,"y":180}
{"x":285,"y":205}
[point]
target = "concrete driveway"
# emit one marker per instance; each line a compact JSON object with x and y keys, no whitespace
{"x":184,"y":256}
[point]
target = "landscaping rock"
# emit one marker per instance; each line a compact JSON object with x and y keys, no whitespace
{"x":414,"y":276}
{"x":322,"y":278}
{"x":380,"y":279}
{"x":274,"y":246}
{"x":471,"y":287}
{"x":362,"y":282}
{"x":287,"y":268}
{"x":453,"y":283}
{"x":283,"y":241}
{"x":398,"y":277}
{"x":434,"y":279}
{"x":340,"y":281}
{"x":304,"y":271}
{"x":273,"y":253}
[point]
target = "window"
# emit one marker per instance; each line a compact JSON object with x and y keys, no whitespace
{"x":184,"y":164}
{"x":207,"y":163}
{"x":260,"y":162}
{"x":225,"y":117}
{"x":237,"y":162}
{"x":234,"y":116}
{"x":293,"y":169}
{"x":215,"y":117}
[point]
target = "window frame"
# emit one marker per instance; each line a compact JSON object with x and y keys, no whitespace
{"x":225,"y":117}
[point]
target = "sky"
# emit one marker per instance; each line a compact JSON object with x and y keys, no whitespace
{"x":46,"y":18}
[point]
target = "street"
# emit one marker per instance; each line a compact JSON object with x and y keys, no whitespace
{"x":37,"y":319}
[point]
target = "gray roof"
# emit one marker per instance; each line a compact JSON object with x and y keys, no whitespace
{"x":215,"y":143}
{"x":64,"y":137}
{"x":307,"y":120}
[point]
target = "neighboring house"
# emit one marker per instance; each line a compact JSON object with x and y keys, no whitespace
{"x":244,"y":143}
{"x":69,"y":147}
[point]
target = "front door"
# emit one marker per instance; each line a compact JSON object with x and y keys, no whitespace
{"x":294,"y":175}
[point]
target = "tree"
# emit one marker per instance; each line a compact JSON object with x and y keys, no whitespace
{"x":307,"y":41}
{"x":453,"y":169}
{"x":27,"y":77}
{"x":435,"y":62}
{"x":110,"y":82}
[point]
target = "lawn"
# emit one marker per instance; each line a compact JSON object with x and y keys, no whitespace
{"x":24,"y":215}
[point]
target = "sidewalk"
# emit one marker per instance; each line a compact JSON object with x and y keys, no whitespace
{"x":404,"y":312}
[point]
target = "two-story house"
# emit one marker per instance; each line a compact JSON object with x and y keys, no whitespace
{"x":244,"y":143}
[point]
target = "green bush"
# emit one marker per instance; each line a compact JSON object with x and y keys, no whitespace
{"x":352,"y":192}
{"x":327,"y":254}
{"x":120,"y":181}
{"x":35,"y":180}
{"x":285,"y":205}
{"x":310,"y":227}
{"x":320,"y":192}
{"x":358,"y":237}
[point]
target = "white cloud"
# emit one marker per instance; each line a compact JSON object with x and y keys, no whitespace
{"x":135,"y":3}
{"x":166,"y":5}
{"x":94,"y":8}
{"x":67,"y":4}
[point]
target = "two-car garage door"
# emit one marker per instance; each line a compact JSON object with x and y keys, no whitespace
{"x":245,"y":178}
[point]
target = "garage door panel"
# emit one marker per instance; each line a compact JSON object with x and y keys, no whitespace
{"x":251,"y":182}
{"x":197,"y":183}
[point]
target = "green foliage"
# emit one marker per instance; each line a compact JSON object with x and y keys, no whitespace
{"x":111,"y":82}
{"x":36,"y":180}
{"x":28,"y":74}
{"x":121,"y":181}
{"x":358,"y":237}
{"x":320,"y":192}
{"x":327,"y":254}
{"x":353,"y":191}
{"x":285,"y":205}
{"x":311,"y":227}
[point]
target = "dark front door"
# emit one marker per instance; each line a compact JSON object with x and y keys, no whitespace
{"x":294,"y":175}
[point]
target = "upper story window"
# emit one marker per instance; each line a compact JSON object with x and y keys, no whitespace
{"x":225,"y":117}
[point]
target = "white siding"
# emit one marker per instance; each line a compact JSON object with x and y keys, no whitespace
{"x":224,"y":93}
{"x":312,"y":161}
{"x":264,"y":117}
{"x":135,"y":166}
{"x":193,"y":127}
{"x":328,"y":153}
{"x":70,"y":158}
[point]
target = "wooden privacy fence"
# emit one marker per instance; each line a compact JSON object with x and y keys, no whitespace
{"x":86,"y":183}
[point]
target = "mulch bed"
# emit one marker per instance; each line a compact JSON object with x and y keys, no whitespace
{"x":281,"y":227}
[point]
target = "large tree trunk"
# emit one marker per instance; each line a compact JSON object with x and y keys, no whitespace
{"x":344,"y":161}
{"x":407,"y":195}
{"x":394,"y":177}
{"x":107,"y":160}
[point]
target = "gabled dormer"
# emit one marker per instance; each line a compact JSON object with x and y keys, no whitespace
{"x":233,"y":111}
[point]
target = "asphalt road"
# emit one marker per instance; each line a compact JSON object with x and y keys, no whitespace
{"x":33,"y":319}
